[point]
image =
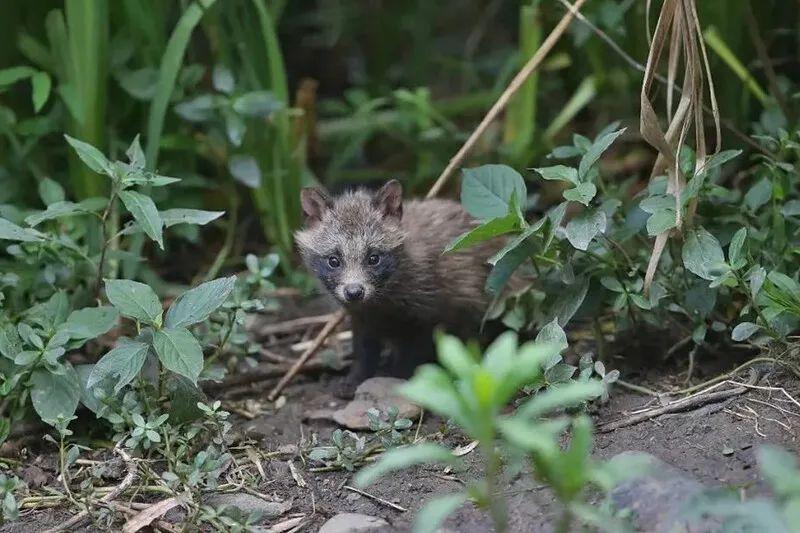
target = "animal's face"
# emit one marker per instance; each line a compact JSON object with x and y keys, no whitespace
{"x":352,"y":243}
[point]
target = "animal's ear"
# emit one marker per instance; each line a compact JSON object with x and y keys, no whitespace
{"x":314,"y":202}
{"x":389,"y":199}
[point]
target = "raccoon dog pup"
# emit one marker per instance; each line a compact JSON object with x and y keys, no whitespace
{"x":382,"y":260}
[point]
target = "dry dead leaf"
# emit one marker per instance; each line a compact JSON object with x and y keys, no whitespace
{"x":152,"y":513}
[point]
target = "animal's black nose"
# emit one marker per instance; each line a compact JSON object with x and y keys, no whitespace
{"x":353,"y":292}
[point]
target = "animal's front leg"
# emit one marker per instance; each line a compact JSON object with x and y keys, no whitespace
{"x":366,"y":356}
{"x":416,"y":349}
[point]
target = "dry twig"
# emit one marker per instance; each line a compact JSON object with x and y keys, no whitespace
{"x":377,"y":499}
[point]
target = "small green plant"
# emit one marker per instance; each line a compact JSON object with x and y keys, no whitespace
{"x":9,"y":510}
{"x":473,"y":393}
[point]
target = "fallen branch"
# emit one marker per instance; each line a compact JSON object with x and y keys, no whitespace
{"x":377,"y":499}
{"x":289,"y":326}
{"x":683,"y":404}
{"x":126,"y":482}
{"x":321,"y":336}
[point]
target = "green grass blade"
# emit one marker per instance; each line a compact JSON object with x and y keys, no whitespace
{"x":716,"y":43}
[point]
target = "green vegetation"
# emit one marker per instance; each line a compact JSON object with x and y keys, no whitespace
{"x":128,"y":269}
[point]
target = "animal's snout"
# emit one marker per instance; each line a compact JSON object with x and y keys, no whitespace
{"x":354,"y":292}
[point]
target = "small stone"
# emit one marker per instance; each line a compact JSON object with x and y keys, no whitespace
{"x":353,"y":523}
{"x":247,"y":503}
{"x":375,"y":393}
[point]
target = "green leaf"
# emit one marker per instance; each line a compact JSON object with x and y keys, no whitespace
{"x":91,"y":156}
{"x":144,"y":211}
{"x":433,"y":514}
{"x":199,"y":109}
{"x":661,"y":221}
{"x":702,"y":255}
{"x":567,"y":395}
{"x":560,"y":173}
{"x":791,"y":208}
{"x":134,"y":300}
{"x":11,"y":75}
{"x":583,"y":193}
{"x":257,"y":104}
{"x":122,"y":363}
{"x":488,"y":230}
{"x":744,"y":331}
{"x":570,"y":300}
{"x":90,"y":322}
{"x":41,"y":90}
{"x":455,"y":357}
{"x":197,"y":304}
{"x":781,"y":469}
{"x":759,"y":194}
{"x":486,"y":191}
{"x":595,"y":151}
{"x":50,"y":191}
{"x":54,"y":395}
{"x":179,"y":351}
{"x":183,"y":398}
{"x":173,"y":217}
{"x":11,"y":232}
{"x":553,"y":332}
{"x":135,"y":154}
{"x":585,"y":227}
{"x":222,"y":79}
{"x":244,"y":169}
{"x":735,"y":250}
{"x":720,"y":159}
{"x":400,"y":458}
{"x":10,"y":343}
{"x":55,"y":211}
{"x":149,"y":179}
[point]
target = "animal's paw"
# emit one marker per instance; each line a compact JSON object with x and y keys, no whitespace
{"x":346,"y":388}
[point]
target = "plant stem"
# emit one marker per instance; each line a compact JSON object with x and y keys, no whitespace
{"x":497,"y":504}
{"x":565,"y":521}
{"x":106,"y":242}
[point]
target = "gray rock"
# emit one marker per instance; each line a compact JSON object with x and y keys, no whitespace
{"x":374,"y":393}
{"x":657,"y":496}
{"x":353,"y":523}
{"x":247,"y":503}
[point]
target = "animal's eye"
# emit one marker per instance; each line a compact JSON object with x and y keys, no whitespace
{"x":334,"y":262}
{"x":373,"y":259}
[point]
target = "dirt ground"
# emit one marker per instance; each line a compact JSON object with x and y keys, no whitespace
{"x":714,"y":444}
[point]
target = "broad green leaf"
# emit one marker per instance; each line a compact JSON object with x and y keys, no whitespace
{"x":11,"y":75}
{"x":585,"y":227}
{"x":144,"y":211}
{"x":139,"y":83}
{"x":735,"y":250}
{"x":781,"y":469}
{"x":400,"y":458}
{"x":41,"y":90}
{"x":135,"y":154}
{"x":661,"y":221}
{"x":595,"y":151}
{"x":501,"y":354}
{"x":10,"y":343}
{"x":583,"y":193}
{"x":791,"y":208}
{"x":134,"y":300}
{"x":539,"y":438}
{"x":567,"y":395}
{"x":570,"y":300}
{"x":88,"y":397}
{"x":54,"y":211}
{"x":257,"y":104}
{"x":222,"y":79}
{"x":559,"y":172}
{"x":122,"y":363}
{"x":54,"y":395}
{"x":702,"y":255}
{"x":486,"y":191}
{"x":90,"y":322}
{"x":179,"y":351}
{"x":197,"y":304}
{"x":553,"y":332}
{"x":172,"y":217}
{"x":432,"y":388}
{"x":744,"y":331}
{"x":91,"y":156}
{"x":244,"y":169}
{"x":183,"y":398}
{"x":235,"y":127}
{"x":455,"y":357}
{"x":50,"y":191}
{"x":488,"y":230}
{"x":433,"y":514}
{"x":505,"y":266}
{"x":199,"y":109}
{"x":759,"y":194}
{"x":11,"y":232}
{"x":720,"y":158}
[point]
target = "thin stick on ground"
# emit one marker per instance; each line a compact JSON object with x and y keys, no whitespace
{"x":519,"y":80}
{"x":126,"y":482}
{"x":377,"y":499}
{"x":308,"y":354}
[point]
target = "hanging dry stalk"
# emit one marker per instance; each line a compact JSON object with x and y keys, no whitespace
{"x":678,"y":31}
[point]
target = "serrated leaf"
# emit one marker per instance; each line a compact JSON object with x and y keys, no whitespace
{"x":197,"y":304}
{"x":596,"y":150}
{"x":11,"y":232}
{"x":122,"y":363}
{"x":55,"y":395}
{"x":91,"y":156}
{"x":560,"y":173}
{"x":144,"y":211}
{"x":583,"y":193}
{"x":702,"y":255}
{"x":486,"y":191}
{"x":179,"y":352}
{"x":134,"y":300}
{"x":744,"y":331}
{"x":585,"y":227}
